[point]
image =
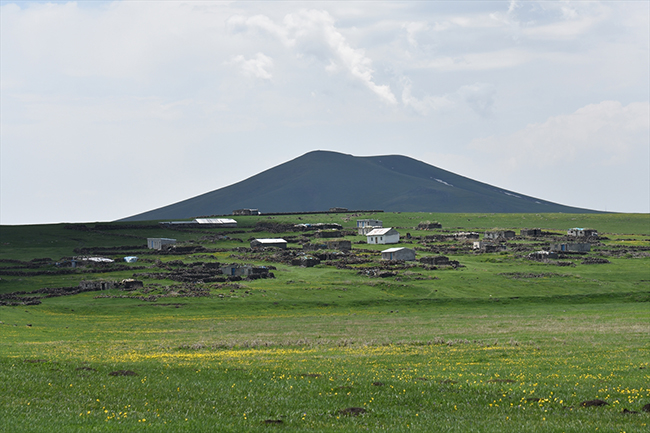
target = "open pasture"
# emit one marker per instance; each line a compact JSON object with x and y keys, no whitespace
{"x":501,"y":343}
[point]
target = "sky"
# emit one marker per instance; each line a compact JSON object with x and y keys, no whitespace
{"x":109,"y":109}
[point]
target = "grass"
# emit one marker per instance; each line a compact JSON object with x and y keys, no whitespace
{"x":501,"y":344}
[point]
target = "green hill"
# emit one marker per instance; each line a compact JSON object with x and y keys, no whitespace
{"x":320,"y":180}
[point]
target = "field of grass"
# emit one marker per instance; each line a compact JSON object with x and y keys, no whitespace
{"x":501,"y":343}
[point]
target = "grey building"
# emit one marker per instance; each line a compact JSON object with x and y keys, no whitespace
{"x":276,"y":243}
{"x":499,"y":234}
{"x":159,"y":243}
{"x":576,"y":247}
{"x":582,"y":233}
{"x":398,"y":254}
{"x":531,"y":233}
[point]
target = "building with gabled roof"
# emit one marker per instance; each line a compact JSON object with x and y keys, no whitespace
{"x":387,"y":235}
{"x":398,"y":253}
{"x":276,"y":243}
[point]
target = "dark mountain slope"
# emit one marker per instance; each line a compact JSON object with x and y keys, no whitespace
{"x":320,"y":180}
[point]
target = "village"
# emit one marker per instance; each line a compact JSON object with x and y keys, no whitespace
{"x":368,"y":249}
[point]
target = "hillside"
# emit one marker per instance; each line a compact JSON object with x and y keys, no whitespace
{"x":321,"y":179}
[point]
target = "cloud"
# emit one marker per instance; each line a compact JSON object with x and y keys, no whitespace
{"x":478,"y":96}
{"x":500,"y":59}
{"x":598,"y":135}
{"x":313,"y":33}
{"x":257,"y":66}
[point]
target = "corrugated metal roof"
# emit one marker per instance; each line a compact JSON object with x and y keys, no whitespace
{"x":215,"y":221}
{"x":379,"y":232}
{"x":393,"y":250}
{"x":271,"y":241}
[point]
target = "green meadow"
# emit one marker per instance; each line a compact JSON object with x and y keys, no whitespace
{"x":498,"y":343}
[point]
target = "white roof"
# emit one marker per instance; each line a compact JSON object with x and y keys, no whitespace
{"x":215,"y":221}
{"x":394,"y":250}
{"x":379,"y":232}
{"x":97,"y":259}
{"x":271,"y":241}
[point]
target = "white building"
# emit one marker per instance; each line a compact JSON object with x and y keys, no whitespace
{"x":386,"y":235}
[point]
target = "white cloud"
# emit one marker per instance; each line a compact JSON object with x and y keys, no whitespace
{"x":148,"y":87}
{"x":501,"y":59}
{"x":313,"y":33}
{"x":478,"y":96}
{"x":257,"y":67}
{"x":598,"y":135}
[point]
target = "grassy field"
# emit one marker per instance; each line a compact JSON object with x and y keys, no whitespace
{"x":501,"y":343}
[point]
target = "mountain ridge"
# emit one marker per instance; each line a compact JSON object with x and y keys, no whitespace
{"x":322,"y":179}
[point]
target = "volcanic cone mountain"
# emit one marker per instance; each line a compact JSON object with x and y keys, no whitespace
{"x":320,"y":180}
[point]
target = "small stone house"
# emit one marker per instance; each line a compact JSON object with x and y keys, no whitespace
{"x":583,"y":247}
{"x":463,"y":235}
{"x":531,"y":233}
{"x":245,"y":271}
{"x":305,"y":261}
{"x":582,"y":233}
{"x":542,"y":255}
{"x":97,"y":285}
{"x":236,"y":270}
{"x":159,"y":243}
{"x":439,"y":261}
{"x":499,"y":234}
{"x":383,"y":236}
{"x":398,"y":254}
{"x":328,"y":234}
{"x":488,"y":247}
{"x":246,"y":212}
{"x":276,"y":243}
{"x":130,"y":284}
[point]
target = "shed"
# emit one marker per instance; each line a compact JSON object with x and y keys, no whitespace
{"x":531,"y":233}
{"x":489,"y":247}
{"x":236,"y":270}
{"x":130,"y":283}
{"x":328,"y":234}
{"x":398,"y":254}
{"x":246,"y":212}
{"x":499,"y":234}
{"x":276,"y":243}
{"x":576,"y":247}
{"x":464,"y":235}
{"x":97,"y":285}
{"x":542,"y":255}
{"x":439,"y":261}
{"x":386,"y":235}
{"x":582,"y":233}
{"x":305,"y":261}
{"x":159,"y":243}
